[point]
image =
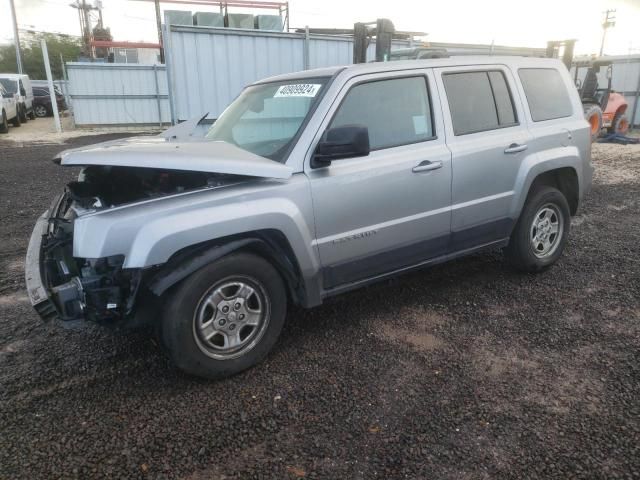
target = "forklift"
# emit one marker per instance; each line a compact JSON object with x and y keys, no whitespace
{"x":603,"y":108}
{"x":606,"y":107}
{"x":384,"y":32}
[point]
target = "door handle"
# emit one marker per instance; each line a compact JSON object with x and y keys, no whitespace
{"x":426,"y":166}
{"x":515,"y":148}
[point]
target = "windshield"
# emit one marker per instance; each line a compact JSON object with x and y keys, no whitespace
{"x":9,"y":85}
{"x":265,"y":118}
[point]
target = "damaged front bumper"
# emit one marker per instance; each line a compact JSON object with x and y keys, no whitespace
{"x":35,"y":287}
{"x":70,"y":289}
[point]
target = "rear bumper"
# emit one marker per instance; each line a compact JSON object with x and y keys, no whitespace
{"x":36,"y":290}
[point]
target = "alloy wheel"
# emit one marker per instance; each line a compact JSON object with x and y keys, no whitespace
{"x":546,"y":230}
{"x":231,"y":318}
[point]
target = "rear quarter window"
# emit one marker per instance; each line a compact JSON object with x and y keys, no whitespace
{"x":546,"y":93}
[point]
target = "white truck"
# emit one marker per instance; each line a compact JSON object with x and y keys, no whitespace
{"x":8,"y":110}
{"x":20,"y":85}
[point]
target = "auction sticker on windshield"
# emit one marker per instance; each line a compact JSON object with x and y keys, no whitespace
{"x":298,"y":90}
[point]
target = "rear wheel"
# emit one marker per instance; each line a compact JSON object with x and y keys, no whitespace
{"x":41,"y":111}
{"x":4,"y":125}
{"x":542,"y":230}
{"x":620,"y":124}
{"x":22,"y":113}
{"x":225,"y":317}
{"x":593,"y":115}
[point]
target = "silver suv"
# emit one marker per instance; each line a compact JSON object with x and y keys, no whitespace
{"x":308,"y":185}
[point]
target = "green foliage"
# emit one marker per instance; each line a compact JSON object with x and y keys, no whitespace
{"x":31,"y":51}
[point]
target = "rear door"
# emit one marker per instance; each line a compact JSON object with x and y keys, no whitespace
{"x":390,"y":209}
{"x":489,"y":140}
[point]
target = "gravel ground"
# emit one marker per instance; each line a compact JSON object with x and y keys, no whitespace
{"x":467,"y":370}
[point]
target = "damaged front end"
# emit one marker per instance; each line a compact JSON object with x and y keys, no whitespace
{"x":61,"y":286}
{"x":69,"y":288}
{"x":119,"y":179}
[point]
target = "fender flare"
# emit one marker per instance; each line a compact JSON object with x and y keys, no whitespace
{"x":183,"y":264}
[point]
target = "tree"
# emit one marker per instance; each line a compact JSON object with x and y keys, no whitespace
{"x":32,"y":61}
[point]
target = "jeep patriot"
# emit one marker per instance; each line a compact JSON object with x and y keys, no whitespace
{"x":308,"y":185}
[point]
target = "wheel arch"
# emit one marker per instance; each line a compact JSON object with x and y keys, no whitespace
{"x":270,"y":244}
{"x":565,"y":179}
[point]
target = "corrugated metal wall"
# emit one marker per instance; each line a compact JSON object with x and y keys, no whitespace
{"x":118,"y":94}
{"x":208,"y":67}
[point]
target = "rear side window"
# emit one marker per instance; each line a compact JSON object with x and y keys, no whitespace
{"x":546,"y":93}
{"x":479,"y":101}
{"x":396,"y":111}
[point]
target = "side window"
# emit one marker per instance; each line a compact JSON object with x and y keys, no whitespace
{"x":546,"y":93}
{"x":396,"y":111}
{"x":479,"y":101}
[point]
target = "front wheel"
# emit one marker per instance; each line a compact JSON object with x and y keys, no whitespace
{"x":16,"y":120}
{"x":593,"y":115}
{"x":542,"y":230}
{"x":225,"y":317}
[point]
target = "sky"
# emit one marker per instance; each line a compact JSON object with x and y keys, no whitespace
{"x":504,"y":22}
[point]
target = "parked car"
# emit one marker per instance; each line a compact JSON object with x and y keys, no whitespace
{"x":42,"y":101}
{"x":20,"y":85}
{"x":8,"y":110}
{"x":311,"y":184}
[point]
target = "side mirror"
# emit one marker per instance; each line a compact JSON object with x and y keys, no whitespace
{"x":337,"y":143}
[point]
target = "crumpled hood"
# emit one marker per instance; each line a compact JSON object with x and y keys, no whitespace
{"x":162,"y":153}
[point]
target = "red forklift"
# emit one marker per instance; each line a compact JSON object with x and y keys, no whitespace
{"x":603,"y":107}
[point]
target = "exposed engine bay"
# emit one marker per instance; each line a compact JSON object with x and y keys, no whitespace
{"x":105,"y":187}
{"x":100,"y":289}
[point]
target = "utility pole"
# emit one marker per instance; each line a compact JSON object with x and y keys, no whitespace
{"x":16,"y":36}
{"x":99,"y":7}
{"x":159,"y":25}
{"x":52,"y":92}
{"x":87,"y":23}
{"x":609,"y":21}
{"x":84,"y":14}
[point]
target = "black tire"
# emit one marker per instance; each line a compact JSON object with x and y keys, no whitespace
{"x":16,"y":120}
{"x":4,"y":125}
{"x":22,"y":113}
{"x":593,"y":115}
{"x":520,"y":251}
{"x":620,"y":124}
{"x":179,"y":324}
{"x":42,"y":111}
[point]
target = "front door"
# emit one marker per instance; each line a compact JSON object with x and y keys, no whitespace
{"x":390,"y":209}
